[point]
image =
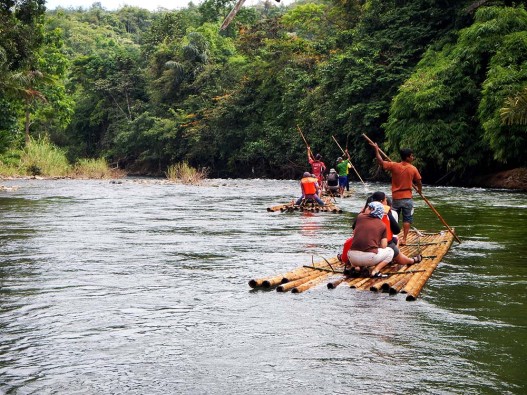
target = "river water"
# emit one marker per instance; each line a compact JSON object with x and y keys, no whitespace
{"x":140,"y":287}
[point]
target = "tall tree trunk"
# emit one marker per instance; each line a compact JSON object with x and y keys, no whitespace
{"x":27,"y":124}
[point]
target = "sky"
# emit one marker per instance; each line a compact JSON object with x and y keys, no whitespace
{"x":151,"y":5}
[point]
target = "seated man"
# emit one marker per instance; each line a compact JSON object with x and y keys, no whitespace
{"x":369,"y":247}
{"x":333,"y":182}
{"x":310,"y":189}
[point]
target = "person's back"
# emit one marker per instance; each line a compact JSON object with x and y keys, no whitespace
{"x":317,"y":167}
{"x":332,"y":181}
{"x":368,"y":233}
{"x":369,"y":246}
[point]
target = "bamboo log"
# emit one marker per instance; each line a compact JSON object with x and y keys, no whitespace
{"x":255,"y":283}
{"x":353,"y":281}
{"x":395,"y":288}
{"x":415,"y":285}
{"x":310,"y":283}
{"x":360,"y":283}
{"x":273,"y":281}
{"x":377,"y":285}
{"x":295,"y":274}
{"x":336,"y":283}
{"x":414,"y":289}
{"x":303,"y":273}
{"x":292,"y":284}
{"x":418,"y":284}
{"x":385,"y":286}
{"x":404,"y":273}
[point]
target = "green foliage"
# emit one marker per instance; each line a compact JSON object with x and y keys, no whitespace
{"x":515,"y":110}
{"x":436,"y":109}
{"x":93,"y":168}
{"x":506,"y":78}
{"x":185,"y":173}
{"x":148,"y":89}
{"x":40,"y":157}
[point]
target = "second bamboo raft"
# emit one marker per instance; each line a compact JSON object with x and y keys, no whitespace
{"x":329,"y":206}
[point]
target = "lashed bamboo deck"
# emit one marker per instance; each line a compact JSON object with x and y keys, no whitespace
{"x":408,"y":280}
{"x":329,"y":206}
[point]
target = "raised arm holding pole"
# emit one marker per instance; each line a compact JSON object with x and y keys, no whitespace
{"x":417,"y":187}
{"x":347,"y":153}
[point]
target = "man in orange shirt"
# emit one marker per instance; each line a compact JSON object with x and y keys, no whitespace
{"x":404,"y":174}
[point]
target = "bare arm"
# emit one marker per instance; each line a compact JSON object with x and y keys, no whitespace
{"x":309,"y":154}
{"x":377,"y":153}
{"x":419,"y":186}
{"x":384,"y":242}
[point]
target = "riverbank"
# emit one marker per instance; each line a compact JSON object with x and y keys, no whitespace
{"x":514,"y":179}
{"x":509,"y":179}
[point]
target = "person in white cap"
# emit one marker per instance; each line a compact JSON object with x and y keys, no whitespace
{"x":332,"y":181}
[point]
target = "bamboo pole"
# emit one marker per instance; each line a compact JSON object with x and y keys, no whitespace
{"x":297,"y":276}
{"x":353,"y":281}
{"x":420,"y":194}
{"x":395,"y":288}
{"x":271,"y":281}
{"x":336,"y":283}
{"x":387,"y":284}
{"x":292,"y":284}
{"x":343,"y":152}
{"x":302,"y":135}
{"x":311,"y":283}
{"x":414,"y":288}
{"x":361,"y":281}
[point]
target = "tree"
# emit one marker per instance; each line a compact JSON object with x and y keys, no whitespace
{"x":20,"y":39}
{"x":448,"y":110}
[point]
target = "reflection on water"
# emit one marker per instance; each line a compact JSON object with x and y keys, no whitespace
{"x":141,"y":287}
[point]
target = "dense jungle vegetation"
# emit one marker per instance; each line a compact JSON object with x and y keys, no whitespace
{"x":145,"y":90}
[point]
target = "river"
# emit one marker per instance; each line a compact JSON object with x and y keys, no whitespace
{"x":140,"y":287}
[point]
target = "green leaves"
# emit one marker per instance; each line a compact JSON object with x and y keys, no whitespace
{"x":449,"y":108}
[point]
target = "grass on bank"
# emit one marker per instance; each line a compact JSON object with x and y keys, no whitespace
{"x":184,"y":173}
{"x":42,"y":158}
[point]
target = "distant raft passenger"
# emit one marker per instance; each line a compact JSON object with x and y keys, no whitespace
{"x":310,"y":189}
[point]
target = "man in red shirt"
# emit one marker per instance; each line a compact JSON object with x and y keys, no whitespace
{"x":317,"y":166}
{"x":404,"y":175}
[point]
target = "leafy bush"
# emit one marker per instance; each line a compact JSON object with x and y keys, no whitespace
{"x":44,"y":158}
{"x":94,"y":168}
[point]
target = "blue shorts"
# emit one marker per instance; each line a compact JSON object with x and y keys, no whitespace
{"x":406,"y":206}
{"x":343,"y":181}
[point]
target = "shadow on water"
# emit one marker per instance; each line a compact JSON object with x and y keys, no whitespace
{"x":141,"y":287}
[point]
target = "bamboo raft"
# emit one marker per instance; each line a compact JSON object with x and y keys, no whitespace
{"x":403,"y":279}
{"x":329,"y":206}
